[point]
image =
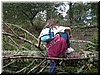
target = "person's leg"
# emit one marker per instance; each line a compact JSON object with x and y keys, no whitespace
{"x":52,"y":69}
{"x":66,"y":37}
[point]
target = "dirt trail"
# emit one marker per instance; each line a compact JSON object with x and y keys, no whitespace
{"x":82,"y":34}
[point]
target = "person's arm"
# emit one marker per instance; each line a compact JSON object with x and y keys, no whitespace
{"x":39,"y":42}
{"x":68,"y":29}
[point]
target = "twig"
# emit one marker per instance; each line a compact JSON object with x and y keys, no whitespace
{"x":11,"y":30}
{"x":9,"y":64}
{"x":22,"y":29}
{"x":18,"y":37}
{"x":25,"y":31}
{"x":24,"y":39}
{"x":8,"y":71}
{"x":25,"y":67}
{"x":80,"y":70}
{"x":43,"y":68}
{"x":36,"y":66}
{"x":82,"y":41}
{"x":14,"y":41}
{"x":12,"y":45}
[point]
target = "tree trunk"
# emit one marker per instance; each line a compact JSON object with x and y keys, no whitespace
{"x":70,"y":14}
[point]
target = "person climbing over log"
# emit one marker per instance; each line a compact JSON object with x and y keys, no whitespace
{"x":58,"y":43}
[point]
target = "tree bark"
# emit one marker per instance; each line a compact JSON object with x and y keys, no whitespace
{"x":70,"y":14}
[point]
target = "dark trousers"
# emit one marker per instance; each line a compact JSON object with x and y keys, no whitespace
{"x":53,"y":64}
{"x":66,"y":37}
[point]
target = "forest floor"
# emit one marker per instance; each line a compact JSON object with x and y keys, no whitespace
{"x":85,"y":35}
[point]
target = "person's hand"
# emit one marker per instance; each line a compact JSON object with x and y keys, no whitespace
{"x":36,"y":45}
{"x":70,"y":36}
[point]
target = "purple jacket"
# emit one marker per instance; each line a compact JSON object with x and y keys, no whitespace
{"x":56,"y":47}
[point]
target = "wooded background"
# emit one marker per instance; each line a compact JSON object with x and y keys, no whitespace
{"x":22,"y":23}
{"x":81,"y":17}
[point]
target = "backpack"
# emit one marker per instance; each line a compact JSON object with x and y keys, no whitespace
{"x":47,"y":37}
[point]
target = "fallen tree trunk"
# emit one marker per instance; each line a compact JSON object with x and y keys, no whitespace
{"x":48,"y":58}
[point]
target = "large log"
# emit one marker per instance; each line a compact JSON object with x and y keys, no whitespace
{"x":48,"y":58}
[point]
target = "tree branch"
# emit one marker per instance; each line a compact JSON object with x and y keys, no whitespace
{"x":26,"y":32}
{"x":48,"y":58}
{"x":24,"y":39}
